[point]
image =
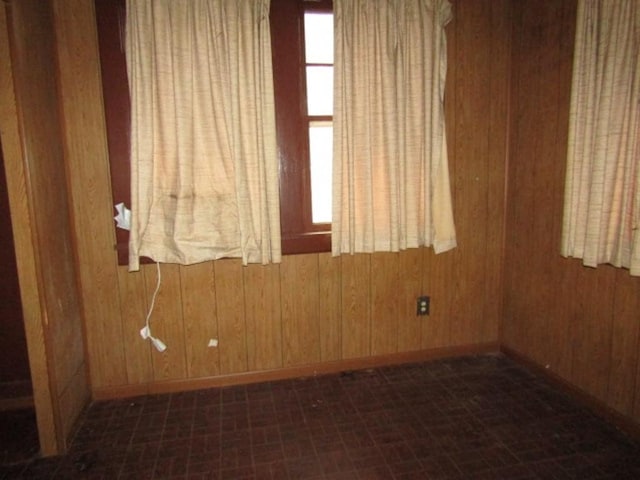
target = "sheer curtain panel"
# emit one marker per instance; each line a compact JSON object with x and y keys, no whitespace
{"x":391,"y":176}
{"x":601,"y":194}
{"x":204,"y":167}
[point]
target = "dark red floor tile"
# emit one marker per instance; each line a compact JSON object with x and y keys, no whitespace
{"x":478,"y":417}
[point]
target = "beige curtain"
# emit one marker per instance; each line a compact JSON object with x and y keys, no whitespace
{"x":601,"y":196}
{"x":204,"y":166}
{"x":391,"y":176}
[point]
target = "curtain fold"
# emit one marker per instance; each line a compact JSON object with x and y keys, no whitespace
{"x":391,"y":176}
{"x":601,"y":210}
{"x":204,"y":166}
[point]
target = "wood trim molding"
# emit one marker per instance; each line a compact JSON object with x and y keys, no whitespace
{"x":26,"y":251}
{"x":325,"y":368}
{"x":623,"y":422}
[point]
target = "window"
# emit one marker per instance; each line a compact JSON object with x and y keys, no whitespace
{"x":602,"y":199}
{"x":302,"y":46}
{"x":318,"y":41}
{"x":303,"y":73}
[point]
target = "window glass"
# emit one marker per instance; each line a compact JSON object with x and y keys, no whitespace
{"x":320,"y":157}
{"x":318,"y":28}
{"x":319,"y":91}
{"x":318,"y":34}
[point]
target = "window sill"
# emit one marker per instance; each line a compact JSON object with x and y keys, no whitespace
{"x":312,"y":242}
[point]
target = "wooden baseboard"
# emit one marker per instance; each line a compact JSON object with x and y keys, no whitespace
{"x":170,"y":386}
{"x":623,"y":422}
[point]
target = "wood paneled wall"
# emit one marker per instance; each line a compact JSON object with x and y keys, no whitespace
{"x":582,"y":324}
{"x":312,"y":311}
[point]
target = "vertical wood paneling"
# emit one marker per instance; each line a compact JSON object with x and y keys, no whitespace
{"x":264,"y":325}
{"x":356,"y":314}
{"x":166,"y":321}
{"x":300,"y":309}
{"x":592,"y":330}
{"x":133,"y":311}
{"x":559,"y":356}
{"x":198,"y":289}
{"x":410,"y":280}
{"x":232,"y":329}
{"x":437,"y":282}
{"x":385,"y":302}
{"x":558,"y":353}
{"x":473,"y":27}
{"x":496,"y":169}
{"x":512,"y":326}
{"x":625,"y":344}
{"x":543,"y":225}
{"x":636,"y":408}
{"x":580,"y":322}
{"x":329,"y":274}
{"x":527,"y":146}
{"x":525,"y":160}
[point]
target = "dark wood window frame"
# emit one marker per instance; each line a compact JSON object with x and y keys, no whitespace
{"x":299,"y":234}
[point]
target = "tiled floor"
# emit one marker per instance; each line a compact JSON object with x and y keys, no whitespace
{"x":475,"y":418}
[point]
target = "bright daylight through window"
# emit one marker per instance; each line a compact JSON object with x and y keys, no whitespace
{"x":318,"y":28}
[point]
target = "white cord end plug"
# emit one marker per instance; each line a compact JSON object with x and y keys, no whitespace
{"x":157,"y":343}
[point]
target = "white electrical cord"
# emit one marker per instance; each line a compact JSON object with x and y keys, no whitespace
{"x":146,"y":330}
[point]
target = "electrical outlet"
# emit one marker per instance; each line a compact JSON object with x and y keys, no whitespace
{"x":422,"y":305}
